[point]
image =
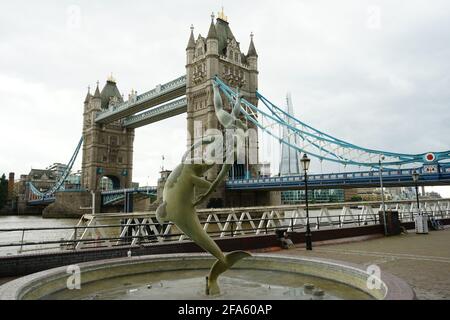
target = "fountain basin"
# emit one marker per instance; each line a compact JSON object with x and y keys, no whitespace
{"x":181,"y":276}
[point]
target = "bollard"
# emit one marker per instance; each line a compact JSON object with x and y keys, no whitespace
{"x":206,"y":286}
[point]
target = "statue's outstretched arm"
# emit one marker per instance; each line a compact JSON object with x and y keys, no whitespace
{"x":222,"y":174}
{"x":200,"y":182}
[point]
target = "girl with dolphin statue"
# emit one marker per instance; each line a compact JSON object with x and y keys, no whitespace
{"x":179,"y":196}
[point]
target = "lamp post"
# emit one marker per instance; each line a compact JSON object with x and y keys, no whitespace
{"x":416,"y":177}
{"x":305,"y":166}
{"x":382,"y":195}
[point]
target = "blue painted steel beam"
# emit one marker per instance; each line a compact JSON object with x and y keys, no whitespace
{"x":113,"y":196}
{"x":39,"y":202}
{"x":326,"y":147}
{"x":391,"y":178}
{"x":168,"y":110}
{"x":161,"y":94}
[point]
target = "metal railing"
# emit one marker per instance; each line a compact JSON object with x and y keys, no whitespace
{"x":149,"y":95}
{"x":144,"y":229}
{"x":158,"y":111}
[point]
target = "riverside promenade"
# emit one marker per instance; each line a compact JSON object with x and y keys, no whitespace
{"x":422,"y":260}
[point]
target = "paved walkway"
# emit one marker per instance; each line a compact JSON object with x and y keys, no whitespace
{"x":421,"y":260}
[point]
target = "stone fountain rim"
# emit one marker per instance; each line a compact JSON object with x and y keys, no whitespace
{"x":397,"y":288}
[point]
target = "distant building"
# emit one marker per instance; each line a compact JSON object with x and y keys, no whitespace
{"x":290,"y":166}
{"x":314,"y":196}
{"x":161,"y":183}
{"x":135,"y":184}
{"x":73,"y":181}
{"x":58,"y":169}
{"x":264,"y":170}
{"x":433,"y":195}
{"x":401,"y":193}
{"x":42,"y":179}
{"x":367,"y":194}
{"x":105,"y":184}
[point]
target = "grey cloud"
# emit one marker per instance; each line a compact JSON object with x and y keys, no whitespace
{"x":383,"y":88}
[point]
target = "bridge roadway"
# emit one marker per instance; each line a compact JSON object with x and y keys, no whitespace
{"x":159,"y":95}
{"x":364,"y":179}
{"x":165,"y":111}
{"x":108,"y":197}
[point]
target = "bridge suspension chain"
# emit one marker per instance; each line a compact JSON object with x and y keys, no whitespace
{"x":319,"y":144}
{"x":60,"y":183}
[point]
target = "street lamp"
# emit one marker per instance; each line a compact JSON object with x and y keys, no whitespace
{"x":382,"y":194}
{"x":416,"y":177}
{"x":305,"y":166}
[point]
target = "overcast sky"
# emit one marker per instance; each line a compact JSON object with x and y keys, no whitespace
{"x":375,"y":73}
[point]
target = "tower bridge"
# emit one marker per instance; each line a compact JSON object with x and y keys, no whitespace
{"x":109,"y":124}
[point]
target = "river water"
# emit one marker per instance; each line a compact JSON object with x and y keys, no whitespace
{"x":17,"y":222}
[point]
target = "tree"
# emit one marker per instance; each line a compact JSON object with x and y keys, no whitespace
{"x":3,"y":190}
{"x":356,"y":199}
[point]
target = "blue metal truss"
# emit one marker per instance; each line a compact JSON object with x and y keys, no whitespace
{"x":323,"y":146}
{"x":112,"y":196}
{"x":362,"y":179}
{"x":162,"y":93}
{"x":59,"y":185}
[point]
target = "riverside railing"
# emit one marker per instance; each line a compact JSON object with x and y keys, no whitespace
{"x":142,"y":228}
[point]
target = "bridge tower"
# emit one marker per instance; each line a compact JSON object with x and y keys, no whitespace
{"x":218,"y":54}
{"x":107,"y":148}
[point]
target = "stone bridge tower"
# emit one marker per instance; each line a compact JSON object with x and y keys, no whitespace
{"x":218,"y":54}
{"x":107,"y":148}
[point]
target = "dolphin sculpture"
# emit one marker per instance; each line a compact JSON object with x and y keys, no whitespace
{"x":179,"y":199}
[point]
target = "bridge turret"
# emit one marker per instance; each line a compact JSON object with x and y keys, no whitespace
{"x":107,"y":148}
{"x":212,"y":41}
{"x":252,"y":55}
{"x":110,"y":94}
{"x":96,"y":100}
{"x":190,"y":49}
{"x":88,"y":97}
{"x":217,"y":55}
{"x":252,"y":61}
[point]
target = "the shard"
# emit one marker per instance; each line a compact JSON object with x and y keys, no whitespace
{"x":289,"y":164}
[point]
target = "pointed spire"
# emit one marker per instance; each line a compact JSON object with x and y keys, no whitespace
{"x":191,"y":43}
{"x":252,"y":49}
{"x":88,"y":96}
{"x":97,"y":91}
{"x":111,"y":78}
{"x":212,"y":33}
{"x":222,"y":16}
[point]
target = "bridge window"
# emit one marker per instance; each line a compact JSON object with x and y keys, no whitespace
{"x":107,"y":183}
{"x":113,"y":140}
{"x":105,"y":159}
{"x":120,"y":160}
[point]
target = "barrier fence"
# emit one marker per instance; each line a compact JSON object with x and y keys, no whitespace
{"x":136,"y":229}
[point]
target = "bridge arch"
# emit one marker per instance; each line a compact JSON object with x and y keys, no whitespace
{"x":109,"y":182}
